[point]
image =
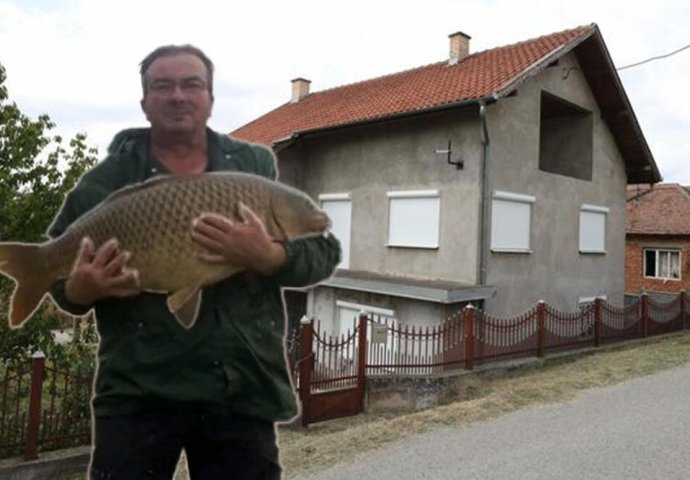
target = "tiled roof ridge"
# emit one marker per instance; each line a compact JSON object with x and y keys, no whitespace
{"x":445,"y":61}
{"x":380,"y":77}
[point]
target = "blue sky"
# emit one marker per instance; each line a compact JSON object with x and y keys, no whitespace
{"x":77,"y":60}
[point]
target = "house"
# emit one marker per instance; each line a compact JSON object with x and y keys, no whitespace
{"x":496,"y":178}
{"x":657,"y":247}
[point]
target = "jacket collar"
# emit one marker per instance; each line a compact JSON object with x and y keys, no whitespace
{"x":134,"y":142}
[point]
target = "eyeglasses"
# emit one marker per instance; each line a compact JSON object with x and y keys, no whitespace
{"x":188,"y":85}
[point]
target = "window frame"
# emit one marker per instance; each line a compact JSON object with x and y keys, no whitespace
{"x":658,"y":250}
{"x":587,"y":208}
{"x":341,"y":197}
{"x":414,"y":194}
{"x":520,"y":198}
{"x":584,"y":301}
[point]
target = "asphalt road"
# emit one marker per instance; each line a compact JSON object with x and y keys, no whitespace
{"x":637,"y":430}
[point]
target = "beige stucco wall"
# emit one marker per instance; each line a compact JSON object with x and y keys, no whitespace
{"x":369,"y":162}
{"x":555,"y":271}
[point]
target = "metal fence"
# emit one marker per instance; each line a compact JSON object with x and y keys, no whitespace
{"x":43,"y":408}
{"x":473,"y":337}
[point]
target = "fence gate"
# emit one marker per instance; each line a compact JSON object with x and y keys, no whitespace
{"x":331,"y":373}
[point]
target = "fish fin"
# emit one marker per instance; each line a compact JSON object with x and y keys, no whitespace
{"x":25,"y":301}
{"x":184,"y":304}
{"x":22,"y":262}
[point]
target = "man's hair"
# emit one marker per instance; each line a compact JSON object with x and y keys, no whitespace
{"x":169,"y":51}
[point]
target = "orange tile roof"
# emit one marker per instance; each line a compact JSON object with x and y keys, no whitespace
{"x":663,"y":209}
{"x":478,"y":76}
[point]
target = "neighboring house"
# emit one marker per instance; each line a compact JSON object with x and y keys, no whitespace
{"x":657,"y":252}
{"x":545,"y":142}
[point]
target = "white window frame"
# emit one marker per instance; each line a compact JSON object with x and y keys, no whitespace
{"x":584,"y":301}
{"x":345,"y":242}
{"x":498,"y":244}
{"x":436,"y":225}
{"x":658,"y":250}
{"x":362,"y":309}
{"x":592,"y":209}
{"x":386,"y":312}
{"x":390,"y":345}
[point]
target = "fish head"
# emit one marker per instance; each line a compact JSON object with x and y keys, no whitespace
{"x":297,"y":215}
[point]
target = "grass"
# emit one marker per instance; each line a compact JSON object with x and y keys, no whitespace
{"x":476,"y":398}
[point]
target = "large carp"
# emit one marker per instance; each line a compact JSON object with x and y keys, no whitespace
{"x":153,"y":220}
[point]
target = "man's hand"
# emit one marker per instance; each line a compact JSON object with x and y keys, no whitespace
{"x":246,"y":244}
{"x":101,"y":273}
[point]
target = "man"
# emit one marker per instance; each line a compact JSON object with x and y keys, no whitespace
{"x":217,"y":389}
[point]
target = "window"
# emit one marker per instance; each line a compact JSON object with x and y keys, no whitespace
{"x":413,"y":218}
{"x":585,"y":324}
{"x":348,"y":315}
{"x":382,"y":345}
{"x":593,"y":229}
{"x":338,"y":206}
{"x":565,"y":138}
{"x":660,"y":263}
{"x":583,"y":302}
{"x":511,"y":222}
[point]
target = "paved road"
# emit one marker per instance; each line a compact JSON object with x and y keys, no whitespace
{"x":638,"y":430}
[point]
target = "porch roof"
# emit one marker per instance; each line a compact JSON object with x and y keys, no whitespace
{"x":426,"y":289}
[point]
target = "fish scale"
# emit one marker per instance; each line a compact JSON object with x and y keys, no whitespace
{"x":153,"y":222}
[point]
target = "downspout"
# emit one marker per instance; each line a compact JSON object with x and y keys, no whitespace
{"x":485,"y":199}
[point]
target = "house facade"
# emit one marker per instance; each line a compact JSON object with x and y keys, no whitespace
{"x":496,"y":178}
{"x":657,"y":251}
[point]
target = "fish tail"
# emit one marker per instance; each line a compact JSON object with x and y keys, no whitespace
{"x":23,"y":263}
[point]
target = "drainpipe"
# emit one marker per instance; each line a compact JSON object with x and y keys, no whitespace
{"x":485,"y":199}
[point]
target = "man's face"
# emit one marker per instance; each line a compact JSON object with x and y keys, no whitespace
{"x":177,"y":99}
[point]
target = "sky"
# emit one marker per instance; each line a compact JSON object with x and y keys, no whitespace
{"x":78,"y":60}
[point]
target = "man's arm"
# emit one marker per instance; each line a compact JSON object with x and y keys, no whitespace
{"x":296,"y":263}
{"x":308,"y":261}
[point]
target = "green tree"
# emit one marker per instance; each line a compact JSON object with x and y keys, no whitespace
{"x":36,"y":171}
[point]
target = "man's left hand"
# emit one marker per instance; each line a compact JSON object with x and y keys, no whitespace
{"x":246,"y":243}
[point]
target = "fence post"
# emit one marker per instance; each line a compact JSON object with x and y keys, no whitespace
{"x":305,"y":367}
{"x":362,"y":354}
{"x":597,"y":321}
{"x":469,"y":336}
{"x":541,"y":328}
{"x":644,"y":307}
{"x":683,"y":313}
{"x":38,"y":361}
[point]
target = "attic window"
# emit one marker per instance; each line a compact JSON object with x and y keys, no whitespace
{"x":565,"y":138}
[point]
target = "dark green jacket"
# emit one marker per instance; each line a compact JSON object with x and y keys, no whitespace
{"x":233,"y":359}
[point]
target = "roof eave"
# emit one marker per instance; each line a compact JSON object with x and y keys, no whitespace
{"x":286,"y":142}
{"x":639,"y":172}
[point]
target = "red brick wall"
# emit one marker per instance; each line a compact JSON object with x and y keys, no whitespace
{"x":635,"y":282}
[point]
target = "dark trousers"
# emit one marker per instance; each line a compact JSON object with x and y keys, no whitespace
{"x":148,"y":446}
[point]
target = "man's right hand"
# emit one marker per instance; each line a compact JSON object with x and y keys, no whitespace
{"x":101,"y":273}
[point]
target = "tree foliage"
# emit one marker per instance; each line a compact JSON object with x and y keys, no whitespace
{"x":36,"y":171}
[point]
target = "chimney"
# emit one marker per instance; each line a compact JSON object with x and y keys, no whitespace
{"x":459,"y":47}
{"x":300,"y":89}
